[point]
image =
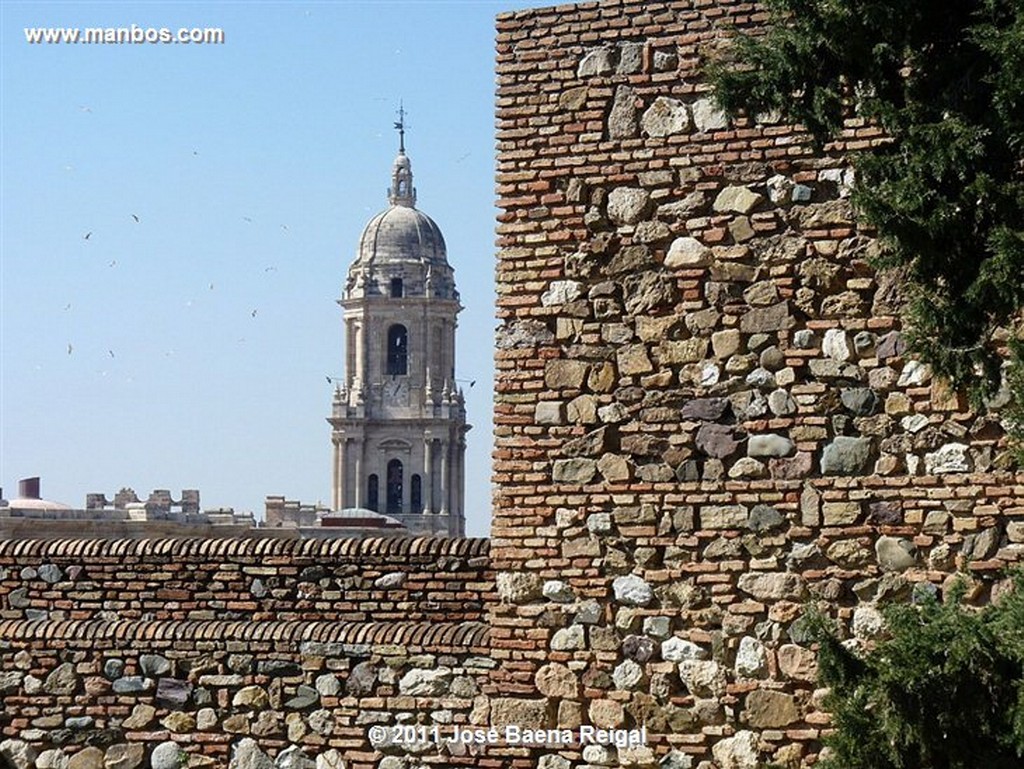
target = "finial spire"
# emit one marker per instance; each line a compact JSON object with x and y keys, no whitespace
{"x":400,"y":127}
{"x":401,"y":192}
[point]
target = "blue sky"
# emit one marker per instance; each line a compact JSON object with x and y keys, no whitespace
{"x":189,"y":349}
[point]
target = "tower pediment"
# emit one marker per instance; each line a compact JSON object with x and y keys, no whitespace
{"x":395,"y":444}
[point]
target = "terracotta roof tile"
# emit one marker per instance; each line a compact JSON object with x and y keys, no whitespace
{"x":241,"y":547}
{"x":162,"y":632}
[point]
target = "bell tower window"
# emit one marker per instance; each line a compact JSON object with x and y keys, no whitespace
{"x":396,"y":288}
{"x":398,"y":350}
{"x":394,"y":488}
{"x":372,"y":500}
{"x":416,"y":494}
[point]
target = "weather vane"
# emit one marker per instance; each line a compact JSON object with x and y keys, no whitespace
{"x":400,"y":127}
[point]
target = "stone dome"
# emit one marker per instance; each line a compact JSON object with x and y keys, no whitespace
{"x":401,"y":251}
{"x":401,"y":234}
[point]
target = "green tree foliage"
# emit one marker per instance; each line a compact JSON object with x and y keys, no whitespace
{"x":945,"y":690}
{"x":945,"y":80}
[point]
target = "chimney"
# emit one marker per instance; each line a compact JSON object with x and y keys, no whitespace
{"x":28,"y":488}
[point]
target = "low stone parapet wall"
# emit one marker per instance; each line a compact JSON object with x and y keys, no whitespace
{"x":166,"y":694}
{"x":352,"y":580}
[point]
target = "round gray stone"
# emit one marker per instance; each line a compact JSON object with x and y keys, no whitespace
{"x":62,"y":680}
{"x":846,"y":456}
{"x":154,"y":665}
{"x":362,"y":679}
{"x":20,"y":754}
{"x":862,"y":401}
{"x":632,"y":590}
{"x":167,"y":755}
{"x":51,"y":573}
{"x":894,"y":554}
{"x":781,"y":403}
{"x":764,"y":518}
{"x":626,"y":205}
{"x":769,"y":445}
{"x":294,"y":758}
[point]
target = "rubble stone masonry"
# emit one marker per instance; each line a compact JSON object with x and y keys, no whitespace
{"x":706,"y":416}
{"x":243,"y":653}
{"x":706,"y":419}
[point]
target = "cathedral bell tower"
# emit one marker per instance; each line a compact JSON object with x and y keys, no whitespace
{"x":398,"y":422}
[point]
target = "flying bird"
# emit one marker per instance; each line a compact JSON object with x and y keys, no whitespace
{"x":329,"y":380}
{"x":85,"y":109}
{"x":111,"y":353}
{"x":135,"y":217}
{"x":88,"y":235}
{"x":254,"y":313}
{"x":271,"y":268}
{"x":114,"y":263}
{"x":69,"y":348}
{"x":67,"y":306}
{"x":248,"y":219}
{"x":284,"y":227}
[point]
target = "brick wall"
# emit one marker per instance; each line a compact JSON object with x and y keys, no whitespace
{"x":203,"y":694}
{"x":706,"y":420}
{"x":352,"y":580}
{"x":241,"y":652}
{"x":705,"y":415}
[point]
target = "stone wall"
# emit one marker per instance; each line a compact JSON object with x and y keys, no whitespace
{"x":706,"y":420}
{"x":248,"y":653}
{"x":202,"y":694}
{"x":706,"y":417}
{"x":345,"y":580}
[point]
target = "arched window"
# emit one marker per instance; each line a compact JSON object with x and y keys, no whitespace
{"x":372,"y":493}
{"x":398,"y":350}
{"x":394,"y":487}
{"x":416,"y":494}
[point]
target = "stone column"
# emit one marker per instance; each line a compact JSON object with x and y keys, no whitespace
{"x":336,"y":477}
{"x":428,"y":473}
{"x":360,"y":482}
{"x":360,"y":354}
{"x":342,"y":472}
{"x":382,"y":482}
{"x":460,"y":484}
{"x":445,"y":461}
{"x":449,"y":350}
{"x":407,"y":485}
